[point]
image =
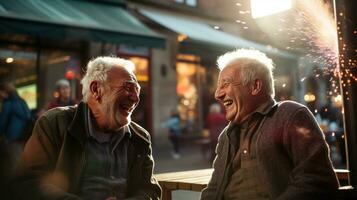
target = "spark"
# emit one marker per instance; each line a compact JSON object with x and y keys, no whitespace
{"x":321,"y":33}
{"x":317,"y":29}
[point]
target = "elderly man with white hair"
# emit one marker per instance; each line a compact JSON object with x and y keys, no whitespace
{"x":269,"y":150}
{"x":93,"y":150}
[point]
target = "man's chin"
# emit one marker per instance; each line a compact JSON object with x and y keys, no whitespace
{"x":124,"y":121}
{"x":229,"y":117}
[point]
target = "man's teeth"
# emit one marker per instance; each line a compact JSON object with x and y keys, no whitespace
{"x":227,"y":103}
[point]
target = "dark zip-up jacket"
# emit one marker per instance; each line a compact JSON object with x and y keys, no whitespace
{"x":54,"y":158}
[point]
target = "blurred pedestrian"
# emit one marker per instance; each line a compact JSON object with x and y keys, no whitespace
{"x":93,"y":150}
{"x":215,"y":123}
{"x":269,"y":150}
{"x":62,"y":95}
{"x":14,"y":119}
{"x":173,"y":124}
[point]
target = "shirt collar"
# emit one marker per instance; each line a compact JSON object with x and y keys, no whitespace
{"x":102,"y":136}
{"x":263,"y":109}
{"x":266,"y":107}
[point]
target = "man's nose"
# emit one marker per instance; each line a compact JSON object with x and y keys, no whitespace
{"x":219,"y":94}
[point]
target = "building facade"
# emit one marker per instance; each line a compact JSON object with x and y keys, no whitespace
{"x":174,"y":45}
{"x":44,"y":41}
{"x":185,"y":73}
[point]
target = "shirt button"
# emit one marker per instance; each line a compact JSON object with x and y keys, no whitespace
{"x":245,"y":151}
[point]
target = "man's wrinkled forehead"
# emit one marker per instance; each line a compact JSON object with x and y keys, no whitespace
{"x":121,"y":73}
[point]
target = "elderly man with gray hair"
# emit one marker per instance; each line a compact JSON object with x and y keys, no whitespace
{"x":93,"y":150}
{"x":269,"y":150}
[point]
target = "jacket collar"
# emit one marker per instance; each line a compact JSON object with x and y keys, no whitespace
{"x":139,"y":132}
{"x":266,"y":107}
{"x":263,"y":109}
{"x":78,"y":127}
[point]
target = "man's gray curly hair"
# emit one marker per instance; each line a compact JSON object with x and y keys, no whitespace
{"x":98,"y":68}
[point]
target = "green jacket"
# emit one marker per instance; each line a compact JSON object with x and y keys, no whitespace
{"x":54,"y":158}
{"x":292,"y":155}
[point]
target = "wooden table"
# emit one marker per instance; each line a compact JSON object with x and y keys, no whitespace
{"x":196,"y":180}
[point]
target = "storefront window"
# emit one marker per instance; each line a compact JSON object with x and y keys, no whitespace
{"x":187,"y":90}
{"x":140,"y":57}
{"x":18,"y":65}
{"x":34,"y":65}
{"x":141,"y":113}
{"x":141,"y":68}
{"x":56,"y":65}
{"x":29,"y":94}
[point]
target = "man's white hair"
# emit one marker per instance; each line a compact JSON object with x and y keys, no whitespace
{"x":252,"y":64}
{"x":97,"y":70}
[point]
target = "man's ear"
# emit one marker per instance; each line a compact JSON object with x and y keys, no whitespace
{"x":256,"y":87}
{"x":95,"y":90}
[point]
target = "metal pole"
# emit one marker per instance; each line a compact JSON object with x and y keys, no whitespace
{"x":346,"y":27}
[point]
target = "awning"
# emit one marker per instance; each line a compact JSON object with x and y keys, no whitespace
{"x":76,"y":19}
{"x":200,"y":31}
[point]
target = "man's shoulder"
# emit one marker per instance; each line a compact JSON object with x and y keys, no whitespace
{"x":290,"y":106}
{"x":140,"y":131}
{"x":286,"y":110}
{"x":60,"y":112}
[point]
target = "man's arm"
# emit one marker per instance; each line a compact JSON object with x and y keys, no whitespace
{"x":36,"y":178}
{"x":313,"y":176}
{"x":145,"y":186}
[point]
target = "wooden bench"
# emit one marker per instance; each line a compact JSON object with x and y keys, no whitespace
{"x":196,"y":180}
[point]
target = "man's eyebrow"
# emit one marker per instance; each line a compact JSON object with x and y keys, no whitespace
{"x":227,"y":79}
